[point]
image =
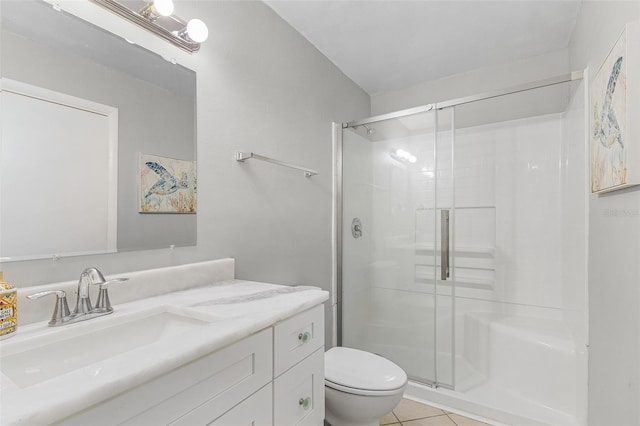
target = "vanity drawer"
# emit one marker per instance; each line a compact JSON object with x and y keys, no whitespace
{"x":195,"y":393}
{"x":296,"y":338}
{"x":299,"y":393}
{"x":257,"y":410}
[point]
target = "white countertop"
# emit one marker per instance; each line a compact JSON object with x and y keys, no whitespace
{"x":241,"y":308}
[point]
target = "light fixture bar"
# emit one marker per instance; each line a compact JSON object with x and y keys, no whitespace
{"x":171,"y":28}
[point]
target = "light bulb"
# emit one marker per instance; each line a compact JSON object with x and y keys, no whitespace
{"x":163,"y":7}
{"x":197,"y":30}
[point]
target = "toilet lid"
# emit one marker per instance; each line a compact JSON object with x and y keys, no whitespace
{"x":357,"y":369}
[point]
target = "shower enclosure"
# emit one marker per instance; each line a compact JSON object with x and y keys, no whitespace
{"x":461,"y":249}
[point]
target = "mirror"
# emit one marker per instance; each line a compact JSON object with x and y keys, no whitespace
{"x":79,"y":188}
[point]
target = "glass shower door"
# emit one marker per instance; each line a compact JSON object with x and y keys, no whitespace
{"x":394,"y":301}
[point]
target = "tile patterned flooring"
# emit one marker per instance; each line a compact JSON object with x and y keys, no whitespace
{"x":412,"y":413}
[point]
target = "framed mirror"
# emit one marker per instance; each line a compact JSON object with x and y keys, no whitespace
{"x":81,"y":107}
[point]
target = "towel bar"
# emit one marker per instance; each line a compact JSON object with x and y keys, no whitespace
{"x":241,"y":156}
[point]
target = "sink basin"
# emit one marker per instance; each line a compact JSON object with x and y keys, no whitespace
{"x":80,"y":345}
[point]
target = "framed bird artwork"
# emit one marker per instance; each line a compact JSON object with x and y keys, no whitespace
{"x":615,"y":116}
{"x":167,"y":185}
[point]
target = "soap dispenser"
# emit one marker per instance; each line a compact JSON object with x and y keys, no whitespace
{"x":8,"y":309}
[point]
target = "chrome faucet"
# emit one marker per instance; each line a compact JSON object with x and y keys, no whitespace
{"x":83,"y":302}
{"x":84,"y":309}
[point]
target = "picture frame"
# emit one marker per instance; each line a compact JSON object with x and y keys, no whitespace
{"x":614,"y":108}
{"x":166,"y":185}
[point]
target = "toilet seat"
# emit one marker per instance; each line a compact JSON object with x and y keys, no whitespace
{"x":362,"y":373}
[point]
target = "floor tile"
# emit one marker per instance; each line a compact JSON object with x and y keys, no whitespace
{"x":465,"y":421}
{"x":442,"y":420}
{"x":410,"y":410}
{"x":389,"y":419}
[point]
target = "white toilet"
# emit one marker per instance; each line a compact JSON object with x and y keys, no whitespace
{"x":360,"y":387}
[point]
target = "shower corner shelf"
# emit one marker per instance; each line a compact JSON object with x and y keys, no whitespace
{"x":459,"y":250}
{"x":460,"y":282}
{"x":474,"y":267}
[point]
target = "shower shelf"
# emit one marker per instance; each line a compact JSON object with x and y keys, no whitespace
{"x":427,"y":248}
{"x":418,"y":284}
{"x":426,"y":209}
{"x":466,"y":282}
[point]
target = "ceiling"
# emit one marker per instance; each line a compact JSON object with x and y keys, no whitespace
{"x":385,"y":45}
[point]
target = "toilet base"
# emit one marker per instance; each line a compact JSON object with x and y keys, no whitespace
{"x":328,"y":423}
{"x":346,"y":409}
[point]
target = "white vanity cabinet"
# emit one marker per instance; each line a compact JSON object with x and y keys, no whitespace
{"x":298,"y":360}
{"x":273,"y":377}
{"x":298,"y":394}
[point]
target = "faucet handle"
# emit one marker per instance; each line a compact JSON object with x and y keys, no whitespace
{"x":104,"y":284}
{"x":103,"y":304}
{"x":61,"y":309}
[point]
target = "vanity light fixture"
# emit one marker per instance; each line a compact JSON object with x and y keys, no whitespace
{"x":157,"y":17}
{"x":157,"y":8}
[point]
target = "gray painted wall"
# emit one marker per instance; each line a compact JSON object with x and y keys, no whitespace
{"x":479,"y":81}
{"x":614,"y":250}
{"x":261,"y":87}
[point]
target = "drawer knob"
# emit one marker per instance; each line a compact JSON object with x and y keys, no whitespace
{"x":304,"y":337}
{"x":305,"y":402}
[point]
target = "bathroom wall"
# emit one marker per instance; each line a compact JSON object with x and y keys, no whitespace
{"x":614,"y":250}
{"x":475,"y":82}
{"x":261,"y":87}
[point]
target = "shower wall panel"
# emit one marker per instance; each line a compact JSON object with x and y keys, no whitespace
{"x":511,"y":171}
{"x":520,"y":342}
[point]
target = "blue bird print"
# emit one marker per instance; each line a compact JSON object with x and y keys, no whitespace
{"x":167,"y":184}
{"x":607,"y":129}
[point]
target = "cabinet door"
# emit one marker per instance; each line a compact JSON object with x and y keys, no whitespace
{"x":195,"y":393}
{"x":296,"y":338}
{"x":247,"y":365}
{"x":299,"y":393}
{"x":253,"y":411}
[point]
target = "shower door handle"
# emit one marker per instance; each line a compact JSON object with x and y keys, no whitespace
{"x":444,"y":244}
